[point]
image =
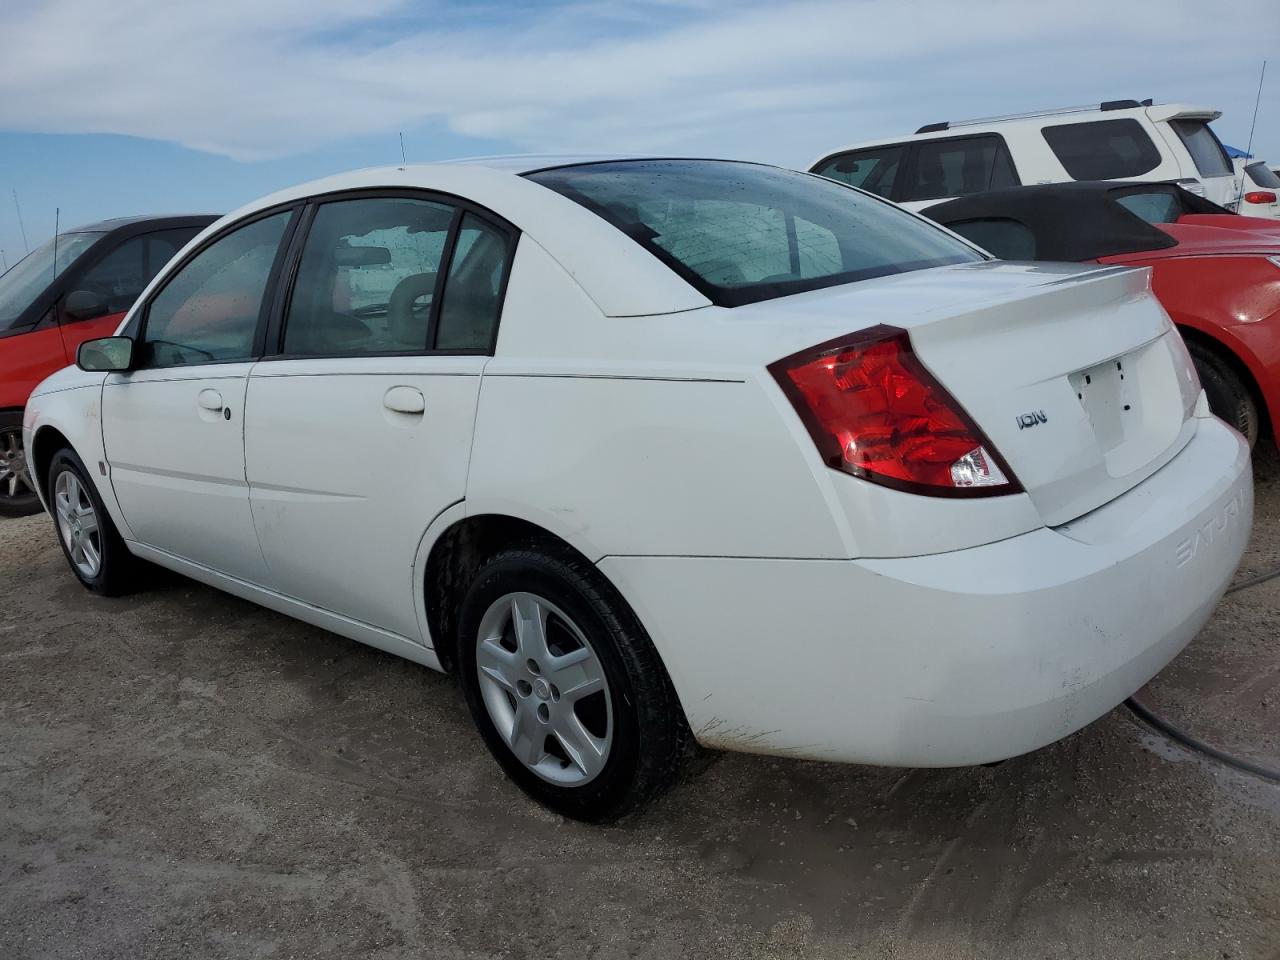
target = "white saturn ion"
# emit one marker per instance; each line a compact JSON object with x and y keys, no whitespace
{"x":660,"y":451}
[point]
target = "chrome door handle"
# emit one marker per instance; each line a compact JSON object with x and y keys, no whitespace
{"x":404,"y":400}
{"x":210,"y":400}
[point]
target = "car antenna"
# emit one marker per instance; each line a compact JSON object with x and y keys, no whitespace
{"x":402,"y":159}
{"x":21,"y":225}
{"x":1248,"y":150}
{"x":57,"y":221}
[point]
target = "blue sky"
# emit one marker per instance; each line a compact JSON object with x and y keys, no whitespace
{"x":129,"y":106}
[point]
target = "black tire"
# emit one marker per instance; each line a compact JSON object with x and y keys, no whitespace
{"x":117,"y":567}
{"x":650,"y":737}
{"x":1230,"y":398}
{"x":17,"y":488}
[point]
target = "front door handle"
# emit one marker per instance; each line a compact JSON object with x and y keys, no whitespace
{"x":210,"y":400}
{"x":404,"y":400}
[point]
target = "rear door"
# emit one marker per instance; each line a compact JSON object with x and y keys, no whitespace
{"x":358,"y":430}
{"x":943,"y":169}
{"x":173,"y":427}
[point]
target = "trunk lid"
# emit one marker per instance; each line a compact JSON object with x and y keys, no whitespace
{"x":1075,"y":374}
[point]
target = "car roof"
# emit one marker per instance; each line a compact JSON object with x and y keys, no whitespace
{"x":1073,"y":221}
{"x":160,"y":220}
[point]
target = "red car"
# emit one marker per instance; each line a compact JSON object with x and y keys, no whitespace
{"x":60,"y":295}
{"x":1217,"y":274}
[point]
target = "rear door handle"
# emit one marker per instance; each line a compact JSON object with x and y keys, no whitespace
{"x":404,"y":400}
{"x":210,"y":400}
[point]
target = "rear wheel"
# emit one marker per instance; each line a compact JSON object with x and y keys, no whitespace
{"x":565,"y":687}
{"x":89,"y":539}
{"x":17,"y":490}
{"x":1230,"y":398}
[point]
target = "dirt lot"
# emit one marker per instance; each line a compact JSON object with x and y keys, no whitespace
{"x":185,"y":775}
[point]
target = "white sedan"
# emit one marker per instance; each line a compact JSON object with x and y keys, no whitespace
{"x":660,"y":451}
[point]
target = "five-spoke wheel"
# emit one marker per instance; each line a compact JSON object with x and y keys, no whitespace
{"x":77,"y":524}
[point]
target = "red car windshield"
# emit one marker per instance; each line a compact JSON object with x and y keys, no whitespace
{"x":29,"y":277}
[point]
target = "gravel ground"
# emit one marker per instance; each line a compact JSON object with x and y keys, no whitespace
{"x":185,"y":775}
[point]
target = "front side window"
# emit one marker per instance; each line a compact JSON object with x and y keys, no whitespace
{"x":873,"y":169}
{"x":1206,"y":151}
{"x":368,"y":277}
{"x":1005,"y":238}
{"x":741,"y":232}
{"x":1102,"y":149}
{"x":208,"y":311}
{"x":118,"y":278}
{"x":958,"y":168}
{"x":22,"y":283}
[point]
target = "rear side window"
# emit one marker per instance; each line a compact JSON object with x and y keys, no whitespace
{"x":368,"y":277}
{"x":1206,"y":151}
{"x":1156,"y":207}
{"x":473,"y":291}
{"x":1007,"y":239}
{"x":1263,"y":175}
{"x":742,"y":232}
{"x":958,"y":168}
{"x":872,"y":170}
{"x":1103,"y":149}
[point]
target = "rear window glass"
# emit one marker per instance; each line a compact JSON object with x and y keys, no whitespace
{"x":1206,"y":152}
{"x":741,"y":232}
{"x":1262,"y":175}
{"x":1103,"y":149}
{"x":1155,"y":207}
{"x":958,"y":168}
{"x":873,"y":169}
{"x":1005,"y":238}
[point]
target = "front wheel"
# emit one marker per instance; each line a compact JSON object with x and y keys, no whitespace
{"x":89,"y":539}
{"x":17,"y":490}
{"x":565,"y":687}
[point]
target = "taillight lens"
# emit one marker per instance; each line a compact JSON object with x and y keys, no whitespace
{"x":1260,"y":196}
{"x":874,"y":411}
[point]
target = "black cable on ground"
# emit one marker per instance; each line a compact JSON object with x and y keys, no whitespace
{"x":1144,"y":712}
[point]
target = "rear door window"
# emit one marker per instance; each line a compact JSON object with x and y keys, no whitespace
{"x":958,"y":168}
{"x":873,"y":169}
{"x":1103,"y":149}
{"x":1206,"y":151}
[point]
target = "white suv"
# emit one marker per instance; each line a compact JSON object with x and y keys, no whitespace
{"x":1116,"y":140}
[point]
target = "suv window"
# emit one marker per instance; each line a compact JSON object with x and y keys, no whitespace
{"x":1005,"y":238}
{"x":368,"y":277}
{"x":473,"y":290}
{"x":743,"y":232}
{"x":209,"y":309}
{"x":958,"y":168}
{"x":872,"y":170}
{"x":1102,"y":149}
{"x":1205,"y":149}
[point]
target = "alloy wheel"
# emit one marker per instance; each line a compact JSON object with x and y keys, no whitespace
{"x":545,"y":689}
{"x":78,"y":524}
{"x":15,"y":474}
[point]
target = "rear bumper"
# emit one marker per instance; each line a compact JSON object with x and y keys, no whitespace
{"x":955,"y":658}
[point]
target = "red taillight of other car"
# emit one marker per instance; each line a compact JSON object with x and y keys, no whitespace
{"x":874,"y":411}
{"x":1260,"y":196}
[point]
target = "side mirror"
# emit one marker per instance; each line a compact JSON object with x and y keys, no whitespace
{"x":106,"y":355}
{"x":84,"y":305}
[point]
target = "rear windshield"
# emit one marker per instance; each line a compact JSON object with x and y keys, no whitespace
{"x":742,"y":232}
{"x":1206,"y":152}
{"x":1262,"y":175}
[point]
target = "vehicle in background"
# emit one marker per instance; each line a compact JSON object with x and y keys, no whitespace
{"x":1116,"y":140}
{"x":1218,"y":274}
{"x":74,"y":288}
{"x":1259,"y":192}
{"x":662,"y":450}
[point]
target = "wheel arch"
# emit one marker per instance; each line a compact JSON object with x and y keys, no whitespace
{"x":46,"y":442}
{"x":1241,"y":362}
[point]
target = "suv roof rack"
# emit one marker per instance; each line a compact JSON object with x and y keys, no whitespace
{"x":1088,"y":108}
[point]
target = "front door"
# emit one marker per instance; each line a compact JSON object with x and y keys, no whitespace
{"x":174,"y":427}
{"x":358,"y":433}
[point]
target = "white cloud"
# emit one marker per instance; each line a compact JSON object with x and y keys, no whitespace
{"x":259,"y":78}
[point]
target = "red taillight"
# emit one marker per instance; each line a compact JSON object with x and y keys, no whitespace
{"x":1260,"y":196}
{"x":875,"y":412}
